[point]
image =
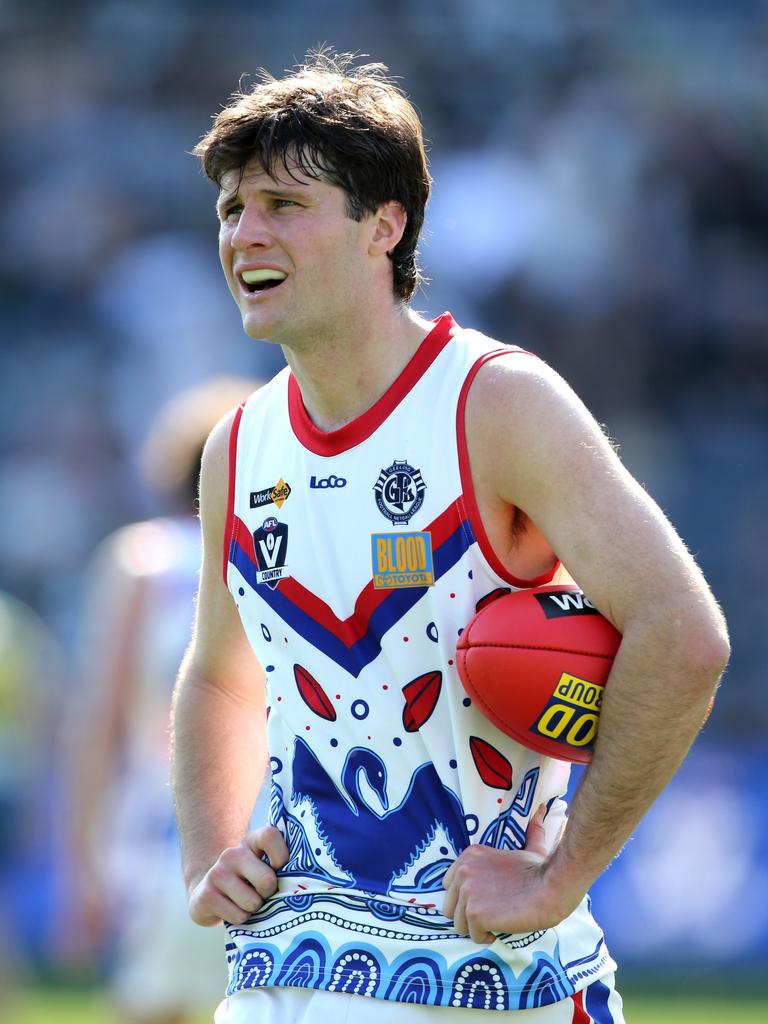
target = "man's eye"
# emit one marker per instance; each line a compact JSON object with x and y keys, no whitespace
{"x":232,"y":211}
{"x":282,"y":203}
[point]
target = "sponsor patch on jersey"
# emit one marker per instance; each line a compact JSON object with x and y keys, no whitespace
{"x":270,"y":543}
{"x":399,"y":492}
{"x":557,"y":606}
{"x":402,"y":560}
{"x":571,"y":714}
{"x":320,"y":483}
{"x":276,"y":494}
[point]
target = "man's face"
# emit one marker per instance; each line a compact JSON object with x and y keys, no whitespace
{"x":294,"y":260}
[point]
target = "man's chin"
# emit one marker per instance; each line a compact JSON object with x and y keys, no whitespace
{"x":260,"y":328}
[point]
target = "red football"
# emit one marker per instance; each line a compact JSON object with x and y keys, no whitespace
{"x":535,"y":663}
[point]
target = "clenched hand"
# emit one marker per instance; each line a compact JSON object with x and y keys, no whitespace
{"x":490,"y":890}
{"x":241,"y":880}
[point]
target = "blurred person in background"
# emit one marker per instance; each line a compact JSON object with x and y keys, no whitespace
{"x":128,"y":896}
{"x":323,"y":183}
{"x":32,"y":677}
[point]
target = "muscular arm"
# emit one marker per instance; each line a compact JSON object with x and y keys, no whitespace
{"x":534,"y":445}
{"x":218,"y":730}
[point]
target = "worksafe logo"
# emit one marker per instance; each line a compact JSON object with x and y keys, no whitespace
{"x":402,"y":560}
{"x":399,"y":492}
{"x":276,"y":494}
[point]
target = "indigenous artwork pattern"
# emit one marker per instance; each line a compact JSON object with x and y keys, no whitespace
{"x":382,"y":769}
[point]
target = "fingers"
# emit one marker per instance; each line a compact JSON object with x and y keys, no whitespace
{"x":460,"y":915}
{"x":237,"y":885}
{"x":449,"y":876}
{"x":208,"y":907}
{"x":451,"y":899}
{"x":459,"y":900}
{"x":269,"y":840}
{"x":484,"y":886}
{"x":536,"y":835}
{"x":466,"y":923}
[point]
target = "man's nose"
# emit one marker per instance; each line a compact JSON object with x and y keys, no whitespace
{"x":252,"y":230}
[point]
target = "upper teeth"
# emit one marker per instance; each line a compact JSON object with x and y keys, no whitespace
{"x":265,"y":274}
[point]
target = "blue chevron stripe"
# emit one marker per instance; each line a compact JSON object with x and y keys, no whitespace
{"x":397,"y":603}
{"x":596,"y":1003}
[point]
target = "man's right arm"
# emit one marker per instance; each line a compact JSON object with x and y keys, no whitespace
{"x":219,"y":734}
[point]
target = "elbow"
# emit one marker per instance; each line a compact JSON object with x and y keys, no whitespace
{"x":713,"y":651}
{"x":692,"y":638}
{"x":721,"y":653}
{"x":708,"y":649}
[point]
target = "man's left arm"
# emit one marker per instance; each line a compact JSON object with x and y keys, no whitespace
{"x":535,"y":443}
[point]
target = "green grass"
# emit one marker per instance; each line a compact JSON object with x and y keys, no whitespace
{"x":678,"y":1009}
{"x":51,"y":1005}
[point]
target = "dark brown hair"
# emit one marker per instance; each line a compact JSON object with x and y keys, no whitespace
{"x":349,"y":125}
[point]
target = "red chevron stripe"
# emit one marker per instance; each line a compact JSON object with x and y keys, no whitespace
{"x":355,"y":626}
{"x":580,"y":1015}
{"x":243,"y":536}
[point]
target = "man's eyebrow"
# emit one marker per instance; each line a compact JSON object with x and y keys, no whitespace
{"x":281,"y":188}
{"x":225,"y":198}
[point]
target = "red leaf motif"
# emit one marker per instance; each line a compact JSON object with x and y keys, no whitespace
{"x":313,"y":695}
{"x":421,"y":696}
{"x":494,"y":769}
{"x":494,"y":595}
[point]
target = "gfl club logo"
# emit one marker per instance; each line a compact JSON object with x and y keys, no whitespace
{"x":399,"y":492}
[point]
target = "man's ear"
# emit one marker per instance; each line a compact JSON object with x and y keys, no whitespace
{"x":389,"y":224}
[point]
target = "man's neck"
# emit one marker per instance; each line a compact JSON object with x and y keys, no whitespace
{"x":343,"y":378}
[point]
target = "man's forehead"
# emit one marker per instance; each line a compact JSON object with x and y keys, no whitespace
{"x":286,"y":174}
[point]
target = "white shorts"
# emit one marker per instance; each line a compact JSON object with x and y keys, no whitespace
{"x":600,"y":1003}
{"x":166,"y":964}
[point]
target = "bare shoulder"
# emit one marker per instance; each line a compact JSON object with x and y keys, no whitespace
{"x":214,"y":474}
{"x":537,"y":446}
{"x":215,"y":464}
{"x":523,"y":393}
{"x":527,"y":426}
{"x":220,"y":652}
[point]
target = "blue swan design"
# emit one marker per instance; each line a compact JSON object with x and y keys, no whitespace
{"x":375,"y":848}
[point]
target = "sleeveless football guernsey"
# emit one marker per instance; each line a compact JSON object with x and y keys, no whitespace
{"x":356,"y":557}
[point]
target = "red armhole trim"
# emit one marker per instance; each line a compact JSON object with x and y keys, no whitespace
{"x":468,"y":490}
{"x":229,"y":522}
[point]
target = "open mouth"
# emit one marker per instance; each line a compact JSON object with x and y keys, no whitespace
{"x":261,"y":280}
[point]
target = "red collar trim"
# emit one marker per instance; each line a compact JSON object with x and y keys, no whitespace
{"x":334,"y":442}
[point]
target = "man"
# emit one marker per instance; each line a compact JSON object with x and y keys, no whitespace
{"x":391,"y":869}
{"x":126,"y":894}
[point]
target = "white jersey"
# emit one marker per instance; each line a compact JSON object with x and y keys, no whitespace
{"x":142,"y":606}
{"x":161,"y":560}
{"x":356,"y":557}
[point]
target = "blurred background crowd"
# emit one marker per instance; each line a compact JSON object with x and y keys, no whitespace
{"x":600,"y":197}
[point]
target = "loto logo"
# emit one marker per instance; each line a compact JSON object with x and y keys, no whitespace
{"x":327,"y":481}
